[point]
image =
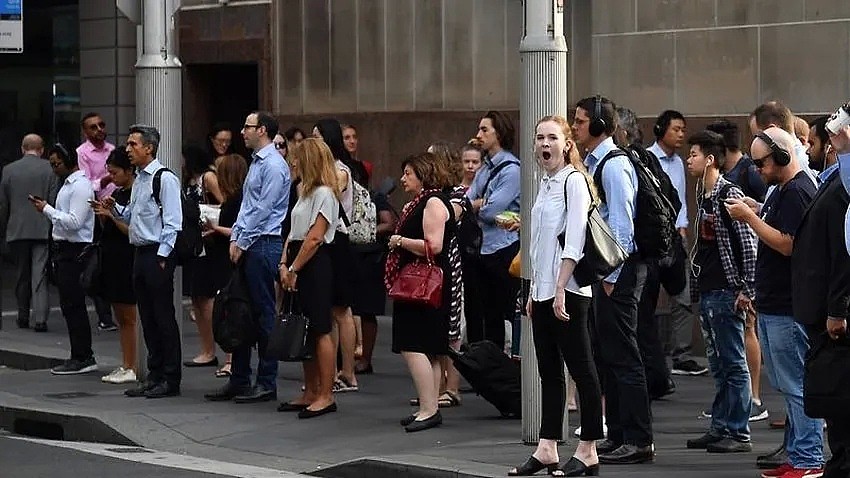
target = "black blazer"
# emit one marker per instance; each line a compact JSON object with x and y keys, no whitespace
{"x":820,"y":266}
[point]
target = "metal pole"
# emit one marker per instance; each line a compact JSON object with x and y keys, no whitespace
{"x":158,"y":103}
{"x":543,"y":53}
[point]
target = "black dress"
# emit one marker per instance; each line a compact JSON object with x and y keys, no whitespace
{"x":419,"y":328}
{"x":206,"y":274}
{"x":218,"y":264}
{"x":117,"y":258}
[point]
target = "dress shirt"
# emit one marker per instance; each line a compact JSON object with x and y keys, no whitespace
{"x":826,"y":173}
{"x":73,"y":216}
{"x":557,"y":211}
{"x":265,"y":200}
{"x":619,"y":181}
{"x":675,"y":169}
{"x":844,"y":169}
{"x":92,"y":161}
{"x":502,"y":195}
{"x":148,"y":224}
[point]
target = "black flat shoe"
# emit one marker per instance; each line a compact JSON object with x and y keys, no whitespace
{"x":407,"y":420}
{"x":532,"y":466}
{"x":430,"y":422}
{"x":575,"y":467}
{"x":291,"y":407}
{"x":209,"y":363}
{"x":307,"y":413}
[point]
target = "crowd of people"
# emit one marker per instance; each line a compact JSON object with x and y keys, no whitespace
{"x":303,"y":224}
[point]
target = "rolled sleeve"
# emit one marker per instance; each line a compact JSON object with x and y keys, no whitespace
{"x":578,"y":205}
{"x":618,"y":181}
{"x":172,"y":214}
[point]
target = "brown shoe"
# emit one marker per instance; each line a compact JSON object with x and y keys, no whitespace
{"x":777,"y":424}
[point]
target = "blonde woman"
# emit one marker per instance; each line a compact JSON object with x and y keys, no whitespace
{"x":306,"y":270}
{"x":557,"y":305}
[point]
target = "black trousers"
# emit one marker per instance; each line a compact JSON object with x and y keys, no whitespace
{"x":627,"y":410}
{"x":648,"y":338}
{"x":155,"y":293}
{"x":490,"y":295}
{"x":72,"y":298}
{"x":557,"y":342}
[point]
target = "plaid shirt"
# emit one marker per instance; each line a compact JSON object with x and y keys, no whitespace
{"x":740,"y":281}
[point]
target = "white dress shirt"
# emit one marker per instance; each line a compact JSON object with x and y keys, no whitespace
{"x":73,"y":216}
{"x":551,"y":215}
{"x":675,"y":169}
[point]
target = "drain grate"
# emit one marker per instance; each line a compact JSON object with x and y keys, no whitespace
{"x":69,"y":395}
{"x":132,"y":449}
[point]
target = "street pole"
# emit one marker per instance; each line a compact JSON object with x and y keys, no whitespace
{"x":158,"y":103}
{"x":543,"y":53}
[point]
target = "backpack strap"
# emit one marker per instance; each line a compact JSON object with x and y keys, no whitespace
{"x":597,"y":175}
{"x":156,"y":185}
{"x":737,"y":254}
{"x":495,"y":171}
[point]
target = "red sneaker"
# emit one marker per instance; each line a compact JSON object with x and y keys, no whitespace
{"x":803,"y":473}
{"x":778,"y":472}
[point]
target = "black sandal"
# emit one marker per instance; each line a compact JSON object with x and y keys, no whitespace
{"x":532,"y":466}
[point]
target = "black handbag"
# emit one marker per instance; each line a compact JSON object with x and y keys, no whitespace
{"x":288,"y":340}
{"x":603,"y":254}
{"x":826,"y":382}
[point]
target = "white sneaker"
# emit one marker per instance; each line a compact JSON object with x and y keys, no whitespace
{"x":120,"y":375}
{"x":577,"y":433}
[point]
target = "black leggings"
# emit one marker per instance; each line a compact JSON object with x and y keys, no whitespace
{"x":556,"y":341}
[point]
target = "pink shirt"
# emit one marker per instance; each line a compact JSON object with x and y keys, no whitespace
{"x":92,"y":162}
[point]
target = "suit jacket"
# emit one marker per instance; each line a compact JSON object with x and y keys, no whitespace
{"x":19,"y":220}
{"x":820,"y":265}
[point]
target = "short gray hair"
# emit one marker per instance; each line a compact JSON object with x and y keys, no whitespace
{"x":628,"y":130}
{"x":150,"y":135}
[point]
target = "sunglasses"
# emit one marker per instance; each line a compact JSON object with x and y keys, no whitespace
{"x":759,"y":162}
{"x":96,"y":126}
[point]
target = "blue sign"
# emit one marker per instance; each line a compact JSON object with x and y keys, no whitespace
{"x":11,"y":26}
{"x":11,"y":9}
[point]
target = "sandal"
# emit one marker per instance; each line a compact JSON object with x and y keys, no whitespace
{"x":448,"y":399}
{"x":341,"y":385}
{"x":224,"y":371}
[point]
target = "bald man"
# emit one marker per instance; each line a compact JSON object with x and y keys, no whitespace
{"x":25,"y":230}
{"x":785,"y":341}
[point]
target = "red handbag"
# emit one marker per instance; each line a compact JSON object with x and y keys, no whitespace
{"x":419,"y":282}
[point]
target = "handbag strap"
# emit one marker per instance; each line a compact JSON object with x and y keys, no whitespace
{"x":429,"y":256}
{"x":590,"y":209}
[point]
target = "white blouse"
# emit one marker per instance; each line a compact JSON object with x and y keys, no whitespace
{"x":551,"y":215}
{"x":306,"y":211}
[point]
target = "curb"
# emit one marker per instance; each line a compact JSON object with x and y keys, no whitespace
{"x":27,"y":361}
{"x":385,"y":467}
{"x":58,"y":426}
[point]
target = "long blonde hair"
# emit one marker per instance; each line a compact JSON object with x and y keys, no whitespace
{"x":316,"y":166}
{"x":573,"y":158}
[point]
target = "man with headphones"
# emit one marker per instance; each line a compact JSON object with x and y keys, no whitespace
{"x":73,"y":229}
{"x":615,"y":299}
{"x":784,"y":341}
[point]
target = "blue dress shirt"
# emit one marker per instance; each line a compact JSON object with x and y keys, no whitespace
{"x":502,"y":194}
{"x":148,"y":225}
{"x":265,"y":198}
{"x":826,"y":173}
{"x":619,"y":181}
{"x":73,"y":216}
{"x":675,"y":169}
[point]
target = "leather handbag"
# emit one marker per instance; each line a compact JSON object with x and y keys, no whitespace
{"x":826,"y":382}
{"x":603,"y":254}
{"x":288,"y":340}
{"x":419,"y":282}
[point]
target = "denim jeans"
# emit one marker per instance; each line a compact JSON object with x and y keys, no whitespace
{"x":261,"y":272}
{"x":784,"y":344}
{"x":723,"y":331}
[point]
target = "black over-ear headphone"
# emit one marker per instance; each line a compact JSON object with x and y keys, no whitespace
{"x":597,"y":125}
{"x":661,"y":125}
{"x":780,"y":155}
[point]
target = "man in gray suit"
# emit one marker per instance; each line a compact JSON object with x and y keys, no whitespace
{"x":25,"y":230}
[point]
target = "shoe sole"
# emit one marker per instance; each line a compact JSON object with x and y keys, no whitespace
{"x":721,"y":452}
{"x":686,"y":373}
{"x":760,"y":417}
{"x":87,"y":369}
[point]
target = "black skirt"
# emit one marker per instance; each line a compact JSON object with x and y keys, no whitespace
{"x":312,"y":295}
{"x":370,"y":294}
{"x":343,"y":271}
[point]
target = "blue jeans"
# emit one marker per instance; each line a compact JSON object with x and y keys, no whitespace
{"x":261,"y":271}
{"x":723,"y":331}
{"x":784,"y":344}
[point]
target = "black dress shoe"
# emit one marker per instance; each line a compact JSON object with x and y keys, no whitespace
{"x":226,"y":393}
{"x":628,"y":455}
{"x":702,"y":442}
{"x":774,"y":459}
{"x":576,"y":467}
{"x":430,"y":422}
{"x":40,"y":327}
{"x":291,"y":407}
{"x":256,"y":395}
{"x":162,"y":390}
{"x":307,"y":413}
{"x":407,"y":420}
{"x":728,"y":445}
{"x":606,"y":446}
{"x":668,"y":389}
{"x":532,"y":466}
{"x":208,"y":363}
{"x":140,"y":390}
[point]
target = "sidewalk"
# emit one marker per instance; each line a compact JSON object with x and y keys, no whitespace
{"x":472,"y":441}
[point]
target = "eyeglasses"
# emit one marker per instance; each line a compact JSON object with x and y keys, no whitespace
{"x":249,"y":126}
{"x":96,"y":126}
{"x":759,"y":162}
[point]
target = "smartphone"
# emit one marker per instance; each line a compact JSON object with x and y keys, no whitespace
{"x":34,"y":198}
{"x":93,"y":203}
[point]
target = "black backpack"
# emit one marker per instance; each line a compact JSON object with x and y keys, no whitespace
{"x":652,"y":163}
{"x":233,"y":320}
{"x":189,"y":243}
{"x":655,"y":216}
{"x":468,"y":233}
